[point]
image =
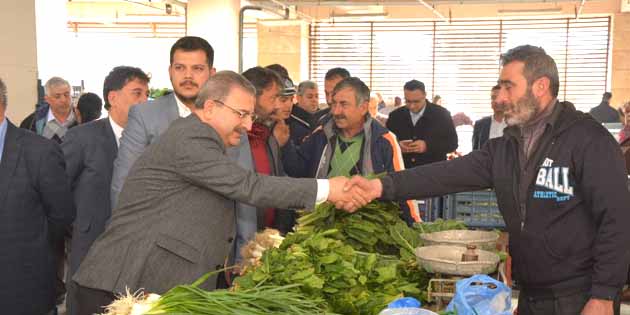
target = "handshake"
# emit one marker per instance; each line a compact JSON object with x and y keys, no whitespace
{"x":353,"y":193}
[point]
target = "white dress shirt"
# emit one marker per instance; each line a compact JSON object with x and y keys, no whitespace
{"x":416,"y":116}
{"x":496,"y":128}
{"x":118,"y":130}
{"x":183,"y":110}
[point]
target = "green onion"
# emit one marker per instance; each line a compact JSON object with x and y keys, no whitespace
{"x":261,"y":300}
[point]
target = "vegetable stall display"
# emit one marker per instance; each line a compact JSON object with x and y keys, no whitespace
{"x":357,"y":263}
{"x":333,"y":263}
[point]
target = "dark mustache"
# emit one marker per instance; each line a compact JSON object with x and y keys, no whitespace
{"x":339,"y":117}
{"x":189,"y":82}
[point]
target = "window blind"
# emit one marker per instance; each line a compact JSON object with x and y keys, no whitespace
{"x":460,"y":60}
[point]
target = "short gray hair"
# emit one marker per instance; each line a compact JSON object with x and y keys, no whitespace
{"x":361,"y":91}
{"x":219,"y":86}
{"x":537,"y":65}
{"x":3,"y":94}
{"x":55,"y":81}
{"x":306,"y":85}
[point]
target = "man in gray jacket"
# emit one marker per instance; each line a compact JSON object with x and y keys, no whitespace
{"x":175,"y":218}
{"x":191,"y":60}
{"x":191,"y":64}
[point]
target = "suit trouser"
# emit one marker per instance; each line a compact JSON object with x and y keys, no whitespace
{"x":560,"y":303}
{"x":88,"y":301}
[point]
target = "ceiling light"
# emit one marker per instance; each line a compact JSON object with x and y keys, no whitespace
{"x":529,"y":11}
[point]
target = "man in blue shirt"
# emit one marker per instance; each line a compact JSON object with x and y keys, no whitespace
{"x":3,"y":130}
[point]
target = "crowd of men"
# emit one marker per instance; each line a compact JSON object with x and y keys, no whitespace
{"x":162,"y":191}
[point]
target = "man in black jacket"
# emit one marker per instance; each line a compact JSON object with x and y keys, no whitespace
{"x":302,"y":120}
{"x":490,"y":127}
{"x":424,"y":130}
{"x":561,"y":188}
{"x":603,"y":112}
{"x":35,"y":210}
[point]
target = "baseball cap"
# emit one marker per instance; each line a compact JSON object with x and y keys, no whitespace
{"x":287,"y":87}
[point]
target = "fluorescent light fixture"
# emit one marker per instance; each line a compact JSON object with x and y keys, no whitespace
{"x":359,"y":15}
{"x":529,"y":11}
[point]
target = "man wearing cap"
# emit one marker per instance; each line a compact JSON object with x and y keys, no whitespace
{"x":263,"y":143}
{"x":283,"y":219}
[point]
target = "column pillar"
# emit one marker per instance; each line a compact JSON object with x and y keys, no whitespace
{"x":217,"y":22}
{"x":18,"y":57}
{"x":620,"y":59}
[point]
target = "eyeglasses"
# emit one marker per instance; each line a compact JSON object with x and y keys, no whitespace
{"x":241,"y":114}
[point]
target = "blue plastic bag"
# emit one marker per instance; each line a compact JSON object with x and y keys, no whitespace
{"x":481,"y":295}
{"x":405,"y":302}
{"x":405,"y":306}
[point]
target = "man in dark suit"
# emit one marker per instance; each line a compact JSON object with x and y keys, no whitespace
{"x":90,"y":151}
{"x":603,"y":112}
{"x":425,"y":131}
{"x":191,"y":64}
{"x":175,"y":219}
{"x":35,"y":209}
{"x":490,"y":127}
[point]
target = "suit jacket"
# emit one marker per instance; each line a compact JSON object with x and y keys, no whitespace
{"x":603,"y":113}
{"x":175,"y":218}
{"x":35,"y":209}
{"x":90,"y":150}
{"x":145,"y":123}
{"x":481,"y":132}
{"x":435,"y":127}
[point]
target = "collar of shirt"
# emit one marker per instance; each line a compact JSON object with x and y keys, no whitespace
{"x":416,"y":116}
{"x":183,"y":110}
{"x":66,"y":123}
{"x":117,"y":130}
{"x":496,"y":128}
{"x":3,"y":134}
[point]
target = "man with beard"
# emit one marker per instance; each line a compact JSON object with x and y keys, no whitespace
{"x":351,"y":143}
{"x":560,"y":182}
{"x":263,"y":135}
{"x":191,"y":60}
{"x":492,"y":126}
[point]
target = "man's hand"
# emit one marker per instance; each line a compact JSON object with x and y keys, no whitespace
{"x":598,"y":307}
{"x":346,"y":196}
{"x":418,"y":146}
{"x":372,"y":188}
{"x":281,"y":132}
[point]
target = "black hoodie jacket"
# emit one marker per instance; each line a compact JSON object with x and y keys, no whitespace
{"x":572,"y":231}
